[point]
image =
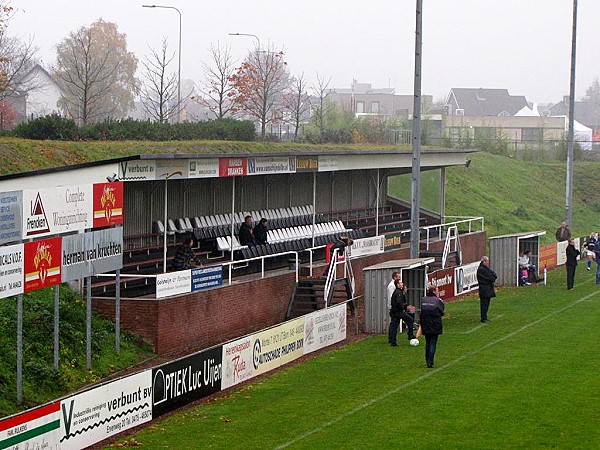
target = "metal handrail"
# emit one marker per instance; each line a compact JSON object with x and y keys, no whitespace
{"x":262,"y":266}
{"x":445,"y":225}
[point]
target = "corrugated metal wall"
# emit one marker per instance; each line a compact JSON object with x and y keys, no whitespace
{"x":377,"y":317}
{"x":336,"y":191}
{"x":504,"y":258}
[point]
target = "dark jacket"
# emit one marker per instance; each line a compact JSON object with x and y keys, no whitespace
{"x":563,"y":234}
{"x":399,"y":303}
{"x":572,"y":254}
{"x":182,"y":257}
{"x":485,"y":279}
{"x":260,"y":234}
{"x":432,"y":310}
{"x":246,"y":235}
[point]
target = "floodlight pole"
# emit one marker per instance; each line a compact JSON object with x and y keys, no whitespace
{"x":571,"y":132}
{"x":416,"y":138}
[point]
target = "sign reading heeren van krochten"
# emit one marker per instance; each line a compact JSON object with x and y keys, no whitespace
{"x":12,"y":260}
{"x":366,"y":246}
{"x":182,"y":381}
{"x":173,"y":283}
{"x":57,"y":210}
{"x":106,"y":410}
{"x":88,"y":254}
{"x":11,"y":216}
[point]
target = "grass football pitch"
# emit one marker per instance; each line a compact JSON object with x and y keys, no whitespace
{"x":529,"y":379}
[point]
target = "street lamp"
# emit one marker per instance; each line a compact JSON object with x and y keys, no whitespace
{"x":247,"y":34}
{"x":179,"y":70}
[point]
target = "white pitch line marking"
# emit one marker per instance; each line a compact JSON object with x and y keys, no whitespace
{"x":430,"y":373}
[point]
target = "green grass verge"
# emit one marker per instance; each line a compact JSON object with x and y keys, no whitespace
{"x":41,"y":383}
{"x":513,"y":196}
{"x":526,"y":380}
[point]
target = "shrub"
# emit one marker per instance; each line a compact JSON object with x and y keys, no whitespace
{"x":52,"y":127}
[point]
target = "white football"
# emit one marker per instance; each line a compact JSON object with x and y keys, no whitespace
{"x":414,"y":342}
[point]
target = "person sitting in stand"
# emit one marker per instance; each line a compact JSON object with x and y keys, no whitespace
{"x":185,"y":254}
{"x":526,"y":270}
{"x":260,"y":232}
{"x":246,"y":232}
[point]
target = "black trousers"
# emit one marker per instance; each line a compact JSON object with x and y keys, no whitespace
{"x":570,"y":276}
{"x":408,"y":320}
{"x":430,"y":346}
{"x":484,"y":305}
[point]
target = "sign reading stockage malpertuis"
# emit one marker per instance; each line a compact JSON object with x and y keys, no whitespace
{"x":88,"y":254}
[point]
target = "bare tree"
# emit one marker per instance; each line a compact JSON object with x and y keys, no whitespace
{"x":216,"y":89}
{"x":96,"y":73}
{"x":321,"y":107}
{"x":258,"y":85}
{"x":159,"y":88}
{"x":296,"y":102}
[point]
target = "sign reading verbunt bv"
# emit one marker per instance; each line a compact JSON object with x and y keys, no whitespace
{"x":106,"y":410}
{"x":185,"y":380}
{"x":142,"y":170}
{"x":207,"y":277}
{"x":42,"y":263}
{"x":11,"y":216}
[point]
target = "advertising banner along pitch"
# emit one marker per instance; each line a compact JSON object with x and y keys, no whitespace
{"x":42,"y":263}
{"x":12,"y":263}
{"x":180,"y":382}
{"x":104,"y":411}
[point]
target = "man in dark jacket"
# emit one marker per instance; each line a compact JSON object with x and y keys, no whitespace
{"x":563,"y":233}
{"x":401,"y":310}
{"x":432,"y":310}
{"x":260,"y":232}
{"x":246,"y":232}
{"x":486,"y":278}
{"x":184,"y":254}
{"x":572,"y":254}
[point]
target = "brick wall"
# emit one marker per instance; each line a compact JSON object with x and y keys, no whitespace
{"x":196,"y":321}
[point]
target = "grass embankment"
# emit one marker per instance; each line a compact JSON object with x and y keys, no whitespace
{"x":514,"y":196}
{"x":41,"y":383}
{"x":528,"y":379}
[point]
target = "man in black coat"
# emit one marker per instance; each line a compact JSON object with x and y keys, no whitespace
{"x":260,"y":232}
{"x":572,"y":254}
{"x":401,"y":310}
{"x":486,"y":278}
{"x":246,"y":232}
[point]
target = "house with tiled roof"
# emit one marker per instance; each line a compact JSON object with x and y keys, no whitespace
{"x":481,"y":102}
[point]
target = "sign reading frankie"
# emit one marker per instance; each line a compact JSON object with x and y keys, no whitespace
{"x":57,"y":210}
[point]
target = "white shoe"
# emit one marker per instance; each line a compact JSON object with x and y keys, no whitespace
{"x":588,"y":268}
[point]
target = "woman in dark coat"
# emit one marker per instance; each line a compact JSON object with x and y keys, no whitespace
{"x":432,"y":310}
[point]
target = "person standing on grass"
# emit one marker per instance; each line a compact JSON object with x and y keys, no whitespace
{"x":485,"y":278}
{"x":571,"y":264}
{"x":391,"y":287}
{"x":432,"y":310}
{"x":590,"y":245}
{"x":400,"y":310}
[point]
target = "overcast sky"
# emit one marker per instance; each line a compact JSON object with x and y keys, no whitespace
{"x":521,"y":45}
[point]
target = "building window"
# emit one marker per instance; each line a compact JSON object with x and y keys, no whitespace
{"x":532,"y":134}
{"x":360,"y":107}
{"x":375,"y":107}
